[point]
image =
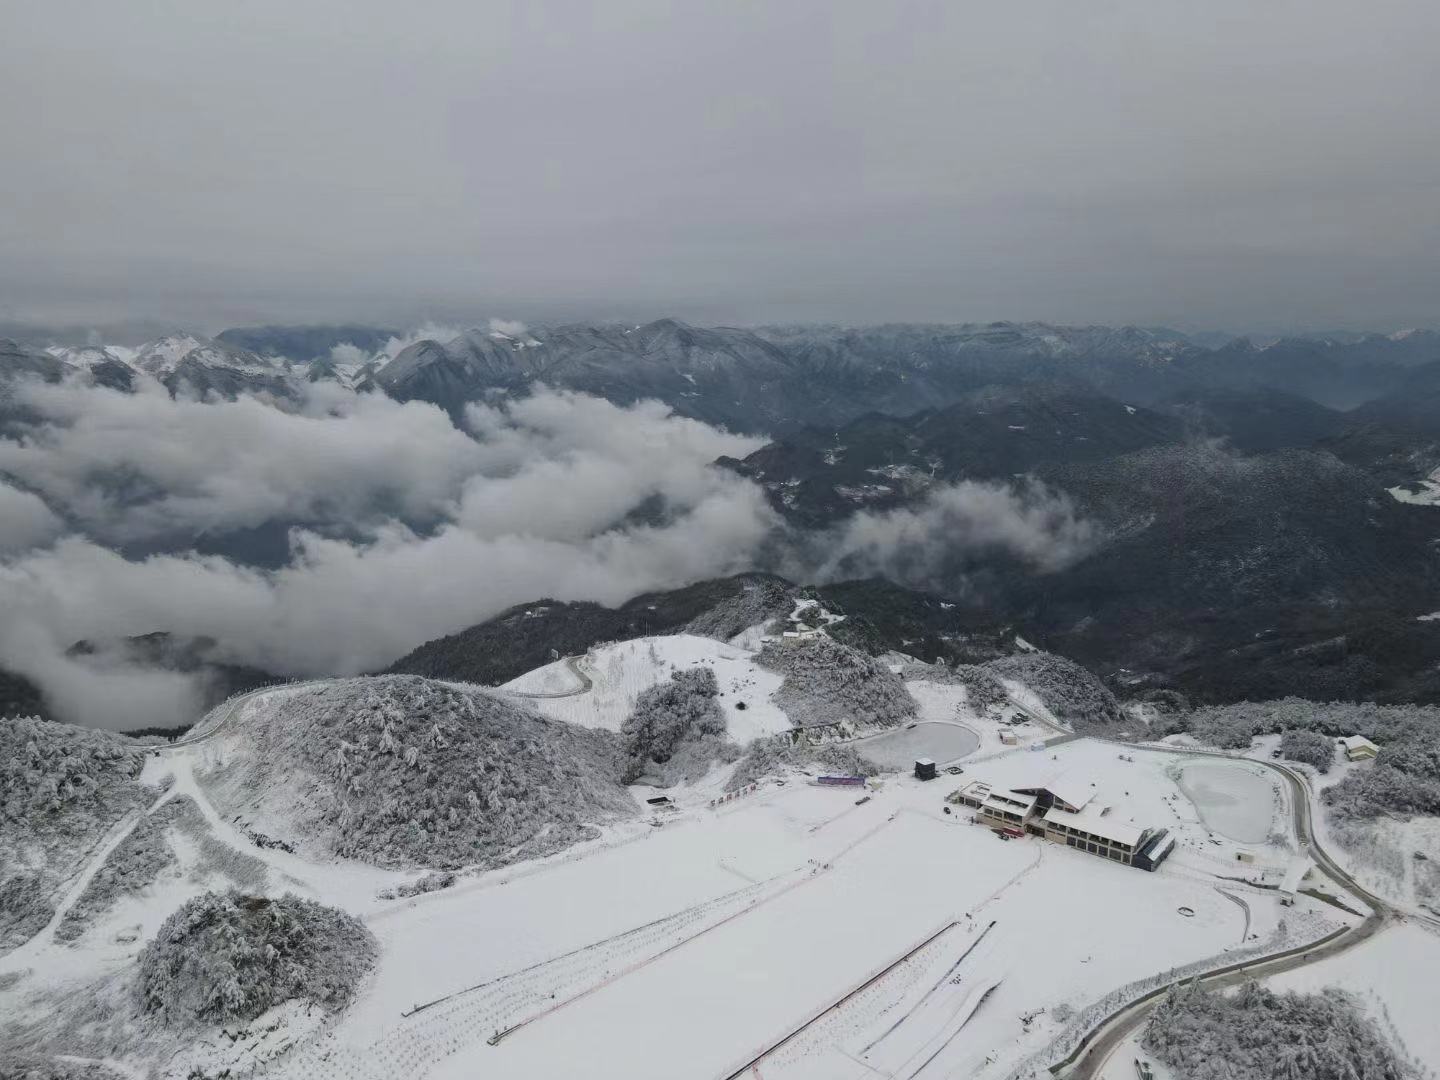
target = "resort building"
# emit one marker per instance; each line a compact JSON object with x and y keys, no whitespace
{"x":1065,"y":811}
{"x":1359,"y":748}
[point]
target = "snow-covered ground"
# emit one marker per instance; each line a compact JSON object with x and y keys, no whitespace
{"x":1030,"y":701}
{"x":1393,"y":976}
{"x":883,"y":928}
{"x":1121,"y":1064}
{"x":622,"y":671}
{"x":1426,"y":493}
{"x":837,"y":892}
{"x":1394,"y":857}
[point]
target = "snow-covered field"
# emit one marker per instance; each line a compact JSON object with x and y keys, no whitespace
{"x":811,"y":932}
{"x":1393,"y":977}
{"x":620,"y":672}
{"x":839,"y":892}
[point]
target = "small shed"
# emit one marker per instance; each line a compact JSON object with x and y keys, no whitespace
{"x":924,"y":769}
{"x":1358,"y":748}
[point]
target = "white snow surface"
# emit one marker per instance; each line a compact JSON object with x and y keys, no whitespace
{"x":1393,"y":978}
{"x":689,"y":944}
{"x":1428,"y":495}
{"x":620,"y":672}
{"x":1234,"y":798}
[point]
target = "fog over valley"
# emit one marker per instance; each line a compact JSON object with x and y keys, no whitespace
{"x":652,"y":541}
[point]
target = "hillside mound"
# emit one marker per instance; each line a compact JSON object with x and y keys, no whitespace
{"x":621,"y":673}
{"x":1076,"y":697}
{"x":830,"y":683}
{"x":1258,"y":1034}
{"x":676,"y":730}
{"x":226,"y":956}
{"x":529,"y":635}
{"x":61,"y":788}
{"x":400,"y":771}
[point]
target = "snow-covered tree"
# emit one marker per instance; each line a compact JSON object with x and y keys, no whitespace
{"x":671,"y":715}
{"x":1074,"y":695}
{"x":1258,"y":1034}
{"x":830,"y":683}
{"x":403,"y":772}
{"x":228,"y":956}
{"x":1308,"y":747}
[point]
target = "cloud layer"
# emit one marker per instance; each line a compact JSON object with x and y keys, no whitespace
{"x":535,"y":500}
{"x":403,"y":528}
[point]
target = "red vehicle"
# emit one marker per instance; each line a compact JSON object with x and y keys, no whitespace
{"x":1010,"y":830}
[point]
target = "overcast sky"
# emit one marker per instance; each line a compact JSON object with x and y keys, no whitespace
{"x":1236,"y":164}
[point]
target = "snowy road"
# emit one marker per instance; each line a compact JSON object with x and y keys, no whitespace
{"x":1090,"y":1057}
{"x":571,"y":662}
{"x":232,"y":709}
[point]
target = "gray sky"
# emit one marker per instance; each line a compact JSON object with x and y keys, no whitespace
{"x":1242,"y":164}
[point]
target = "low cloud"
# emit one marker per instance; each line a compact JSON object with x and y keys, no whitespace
{"x":509,"y":327}
{"x":929,"y":545}
{"x":350,"y":355}
{"x":410,"y":528}
{"x":426,"y":332}
{"x":131,"y":467}
{"x":539,"y":498}
{"x":25,"y":520}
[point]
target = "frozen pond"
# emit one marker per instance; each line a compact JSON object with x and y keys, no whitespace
{"x":1232,"y":799}
{"x":940,"y":742}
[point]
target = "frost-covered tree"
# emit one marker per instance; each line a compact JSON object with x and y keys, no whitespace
{"x":830,"y":683}
{"x":982,"y":689}
{"x":1382,"y":789}
{"x":38,"y":1067}
{"x":227,"y":956}
{"x":779,"y":754}
{"x":1258,"y":1034}
{"x":400,"y":771}
{"x":1308,"y":747}
{"x":1074,"y":695}
{"x":48,"y":770}
{"x":671,"y":715}
{"x":61,"y":788}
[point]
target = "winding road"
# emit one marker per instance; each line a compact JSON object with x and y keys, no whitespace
{"x":1089,"y":1058}
{"x":573,"y":663}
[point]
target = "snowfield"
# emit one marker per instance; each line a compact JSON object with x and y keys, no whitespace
{"x":622,"y":671}
{"x":787,"y":930}
{"x":1393,"y":979}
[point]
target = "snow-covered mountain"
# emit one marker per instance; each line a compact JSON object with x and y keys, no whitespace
{"x":183,"y":363}
{"x":769,"y":380}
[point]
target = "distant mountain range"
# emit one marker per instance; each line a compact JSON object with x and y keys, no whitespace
{"x":771,"y":380}
{"x":1251,"y":547}
{"x":775,"y":380}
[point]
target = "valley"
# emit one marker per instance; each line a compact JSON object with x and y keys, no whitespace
{"x":602,"y":701}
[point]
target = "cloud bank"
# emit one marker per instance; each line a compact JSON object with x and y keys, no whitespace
{"x":25,"y":520}
{"x":402,"y":527}
{"x":919,"y":545}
